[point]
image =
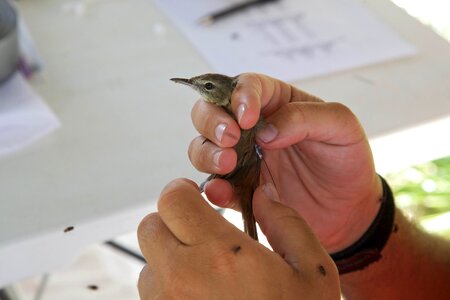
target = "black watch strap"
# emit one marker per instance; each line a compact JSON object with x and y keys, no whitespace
{"x":368,"y":248}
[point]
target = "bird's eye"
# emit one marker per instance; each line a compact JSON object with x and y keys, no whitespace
{"x":209,"y":86}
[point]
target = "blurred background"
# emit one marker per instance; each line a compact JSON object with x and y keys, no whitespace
{"x":423,"y":191}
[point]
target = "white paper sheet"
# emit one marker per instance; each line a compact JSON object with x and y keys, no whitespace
{"x":289,"y":39}
{"x":24,"y":116}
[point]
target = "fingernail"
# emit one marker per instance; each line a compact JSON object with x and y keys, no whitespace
{"x":220,"y":129}
{"x":216,"y":158}
{"x":270,"y":191}
{"x":241,"y":110}
{"x":268,"y":133}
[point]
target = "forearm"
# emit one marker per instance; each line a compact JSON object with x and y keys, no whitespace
{"x":414,"y":265}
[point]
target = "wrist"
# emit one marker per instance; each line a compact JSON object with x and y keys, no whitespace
{"x":359,"y":219}
{"x":367,"y":249}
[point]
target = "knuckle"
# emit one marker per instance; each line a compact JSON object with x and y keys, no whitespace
{"x":286,"y":220}
{"x":345,"y":114}
{"x":174,"y":193}
{"x":169,"y":199}
{"x":144,"y":275}
{"x":207,"y":124}
{"x":144,"y":282}
{"x":245,"y":79}
{"x":295,"y":113}
{"x":205,"y":154}
{"x":176,"y":284}
{"x":204,"y":116}
{"x":347,"y":118}
{"x":147,"y":226}
{"x":171,"y":281}
{"x":201,"y":154}
{"x":197,"y":111}
{"x":341,"y":108}
{"x":193,"y":149}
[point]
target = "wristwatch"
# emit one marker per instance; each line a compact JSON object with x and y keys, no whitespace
{"x":367,"y":249}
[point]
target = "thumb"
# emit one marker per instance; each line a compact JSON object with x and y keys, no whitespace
{"x":287,"y":232}
{"x":332,"y":123}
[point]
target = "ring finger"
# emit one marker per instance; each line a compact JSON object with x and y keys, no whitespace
{"x":209,"y":158}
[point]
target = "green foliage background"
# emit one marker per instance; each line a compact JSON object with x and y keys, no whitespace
{"x":423,"y":193}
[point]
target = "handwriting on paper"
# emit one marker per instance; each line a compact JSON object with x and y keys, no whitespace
{"x":288,"y":39}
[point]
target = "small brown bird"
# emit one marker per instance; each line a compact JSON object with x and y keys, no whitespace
{"x":217,"y":89}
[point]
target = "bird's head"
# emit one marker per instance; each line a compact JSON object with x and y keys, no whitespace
{"x":214,"y":88}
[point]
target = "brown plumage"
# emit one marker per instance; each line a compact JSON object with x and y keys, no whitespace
{"x":217,"y":89}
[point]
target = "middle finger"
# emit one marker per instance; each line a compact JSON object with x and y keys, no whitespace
{"x":209,"y":158}
{"x":214,"y":123}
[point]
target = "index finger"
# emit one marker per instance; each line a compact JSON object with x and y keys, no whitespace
{"x":187,"y":215}
{"x":257,"y":93}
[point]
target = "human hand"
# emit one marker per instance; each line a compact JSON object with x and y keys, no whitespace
{"x":194,"y":253}
{"x":317,"y":154}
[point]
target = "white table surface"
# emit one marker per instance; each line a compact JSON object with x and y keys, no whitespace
{"x":126,"y":127}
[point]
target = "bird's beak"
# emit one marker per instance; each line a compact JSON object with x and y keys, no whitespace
{"x":185,"y":81}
